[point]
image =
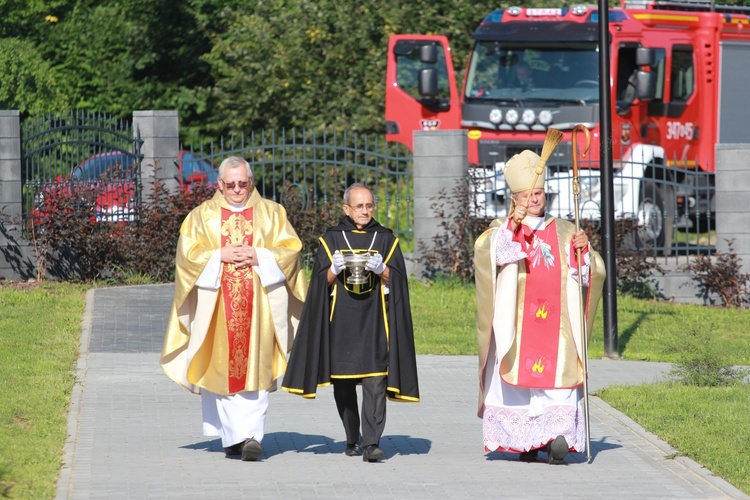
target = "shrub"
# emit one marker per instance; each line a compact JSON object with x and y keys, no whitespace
{"x":452,"y":251}
{"x":68,"y":226}
{"x":721,"y":275}
{"x":309,"y":222}
{"x":150,"y":243}
{"x":700,"y":365}
{"x":143,"y":250}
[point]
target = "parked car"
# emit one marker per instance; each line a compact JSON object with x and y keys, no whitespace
{"x":112,"y":174}
{"x":194,"y":168}
{"x":102,"y":184}
{"x":105,"y":182}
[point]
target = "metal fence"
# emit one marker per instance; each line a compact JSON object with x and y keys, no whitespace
{"x":321,"y":165}
{"x":76,"y":153}
{"x":94,"y":151}
{"x":659,"y":215}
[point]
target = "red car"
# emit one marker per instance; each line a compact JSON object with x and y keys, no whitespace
{"x":195,"y":168}
{"x":105,"y":183}
{"x":102,"y":184}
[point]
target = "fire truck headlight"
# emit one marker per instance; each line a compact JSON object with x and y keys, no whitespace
{"x":496,"y":116}
{"x":528,"y":117}
{"x":511,"y":116}
{"x":545,"y":117}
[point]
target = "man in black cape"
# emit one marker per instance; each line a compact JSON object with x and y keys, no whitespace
{"x":351,"y":334}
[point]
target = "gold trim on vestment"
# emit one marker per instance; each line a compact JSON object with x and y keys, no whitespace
{"x":360,"y":375}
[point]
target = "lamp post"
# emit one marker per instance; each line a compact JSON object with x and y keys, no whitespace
{"x":606,"y":173}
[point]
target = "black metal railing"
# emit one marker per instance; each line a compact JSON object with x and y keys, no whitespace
{"x":322,"y":165}
{"x":670,"y":212}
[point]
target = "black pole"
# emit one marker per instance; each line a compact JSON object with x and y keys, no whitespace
{"x":606,"y":173}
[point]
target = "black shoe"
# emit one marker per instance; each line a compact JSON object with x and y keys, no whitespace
{"x":234,"y":450}
{"x":353,"y":450}
{"x":528,"y":456}
{"x":558,"y":450}
{"x":251,"y":450}
{"x":372,"y":453}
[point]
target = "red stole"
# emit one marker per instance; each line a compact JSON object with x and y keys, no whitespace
{"x":237,"y":291}
{"x":540,"y":322}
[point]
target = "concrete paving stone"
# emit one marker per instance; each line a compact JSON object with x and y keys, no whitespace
{"x":136,"y":434}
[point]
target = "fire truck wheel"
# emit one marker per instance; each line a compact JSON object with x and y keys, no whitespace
{"x":655,"y":221}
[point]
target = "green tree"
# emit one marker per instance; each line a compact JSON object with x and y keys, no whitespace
{"x":28,"y":83}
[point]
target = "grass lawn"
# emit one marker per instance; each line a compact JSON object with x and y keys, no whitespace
{"x":40,"y":330}
{"x":710,"y":425}
{"x":39,"y":334}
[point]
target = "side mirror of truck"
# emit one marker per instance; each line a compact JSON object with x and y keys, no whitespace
{"x":428,"y":54}
{"x":645,"y":56}
{"x":645,"y":86}
{"x":427,"y":83}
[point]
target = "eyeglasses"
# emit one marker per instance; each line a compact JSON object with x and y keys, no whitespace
{"x":362,"y":207}
{"x":231,"y":185}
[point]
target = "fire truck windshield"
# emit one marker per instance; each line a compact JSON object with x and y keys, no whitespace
{"x":501,"y":71}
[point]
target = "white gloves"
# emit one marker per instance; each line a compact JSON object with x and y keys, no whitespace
{"x":338,"y":263}
{"x":375,"y":264}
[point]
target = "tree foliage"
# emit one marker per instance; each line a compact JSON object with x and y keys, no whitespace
{"x":27,"y":84}
{"x":225,"y":65}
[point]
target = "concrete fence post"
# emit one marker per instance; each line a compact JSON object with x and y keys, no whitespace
{"x":440,"y":162}
{"x":732,"y":195}
{"x":160,"y":134}
{"x":17,"y":258}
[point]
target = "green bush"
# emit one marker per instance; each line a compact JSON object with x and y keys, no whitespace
{"x":699,"y":363}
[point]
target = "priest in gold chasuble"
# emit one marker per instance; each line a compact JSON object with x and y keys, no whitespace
{"x":529,"y":323}
{"x":239,"y":288}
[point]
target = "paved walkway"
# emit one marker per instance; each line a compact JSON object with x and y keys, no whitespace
{"x":135,"y":434}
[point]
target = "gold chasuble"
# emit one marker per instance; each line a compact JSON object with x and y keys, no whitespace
{"x":235,"y":337}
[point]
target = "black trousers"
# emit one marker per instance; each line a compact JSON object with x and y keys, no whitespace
{"x":373,"y":408}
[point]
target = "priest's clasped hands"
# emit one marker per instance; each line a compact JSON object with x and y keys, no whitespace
{"x":239,"y":254}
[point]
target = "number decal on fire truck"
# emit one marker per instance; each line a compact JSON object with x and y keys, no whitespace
{"x":677,"y":130}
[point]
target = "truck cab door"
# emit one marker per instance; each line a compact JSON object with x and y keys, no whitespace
{"x":421,"y":91}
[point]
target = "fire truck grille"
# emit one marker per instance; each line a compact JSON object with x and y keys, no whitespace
{"x":494,"y":151}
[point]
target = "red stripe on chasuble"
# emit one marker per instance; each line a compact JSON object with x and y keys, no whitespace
{"x":540,"y":326}
{"x":237,"y":291}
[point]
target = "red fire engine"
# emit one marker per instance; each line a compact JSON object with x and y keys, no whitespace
{"x":679,"y":74}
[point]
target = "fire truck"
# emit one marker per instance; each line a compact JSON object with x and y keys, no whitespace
{"x":680,"y":84}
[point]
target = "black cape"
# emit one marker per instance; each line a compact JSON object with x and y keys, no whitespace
{"x":355,"y":331}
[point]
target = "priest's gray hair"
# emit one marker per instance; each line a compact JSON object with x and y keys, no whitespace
{"x":232,"y":162}
{"x":356,"y":185}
